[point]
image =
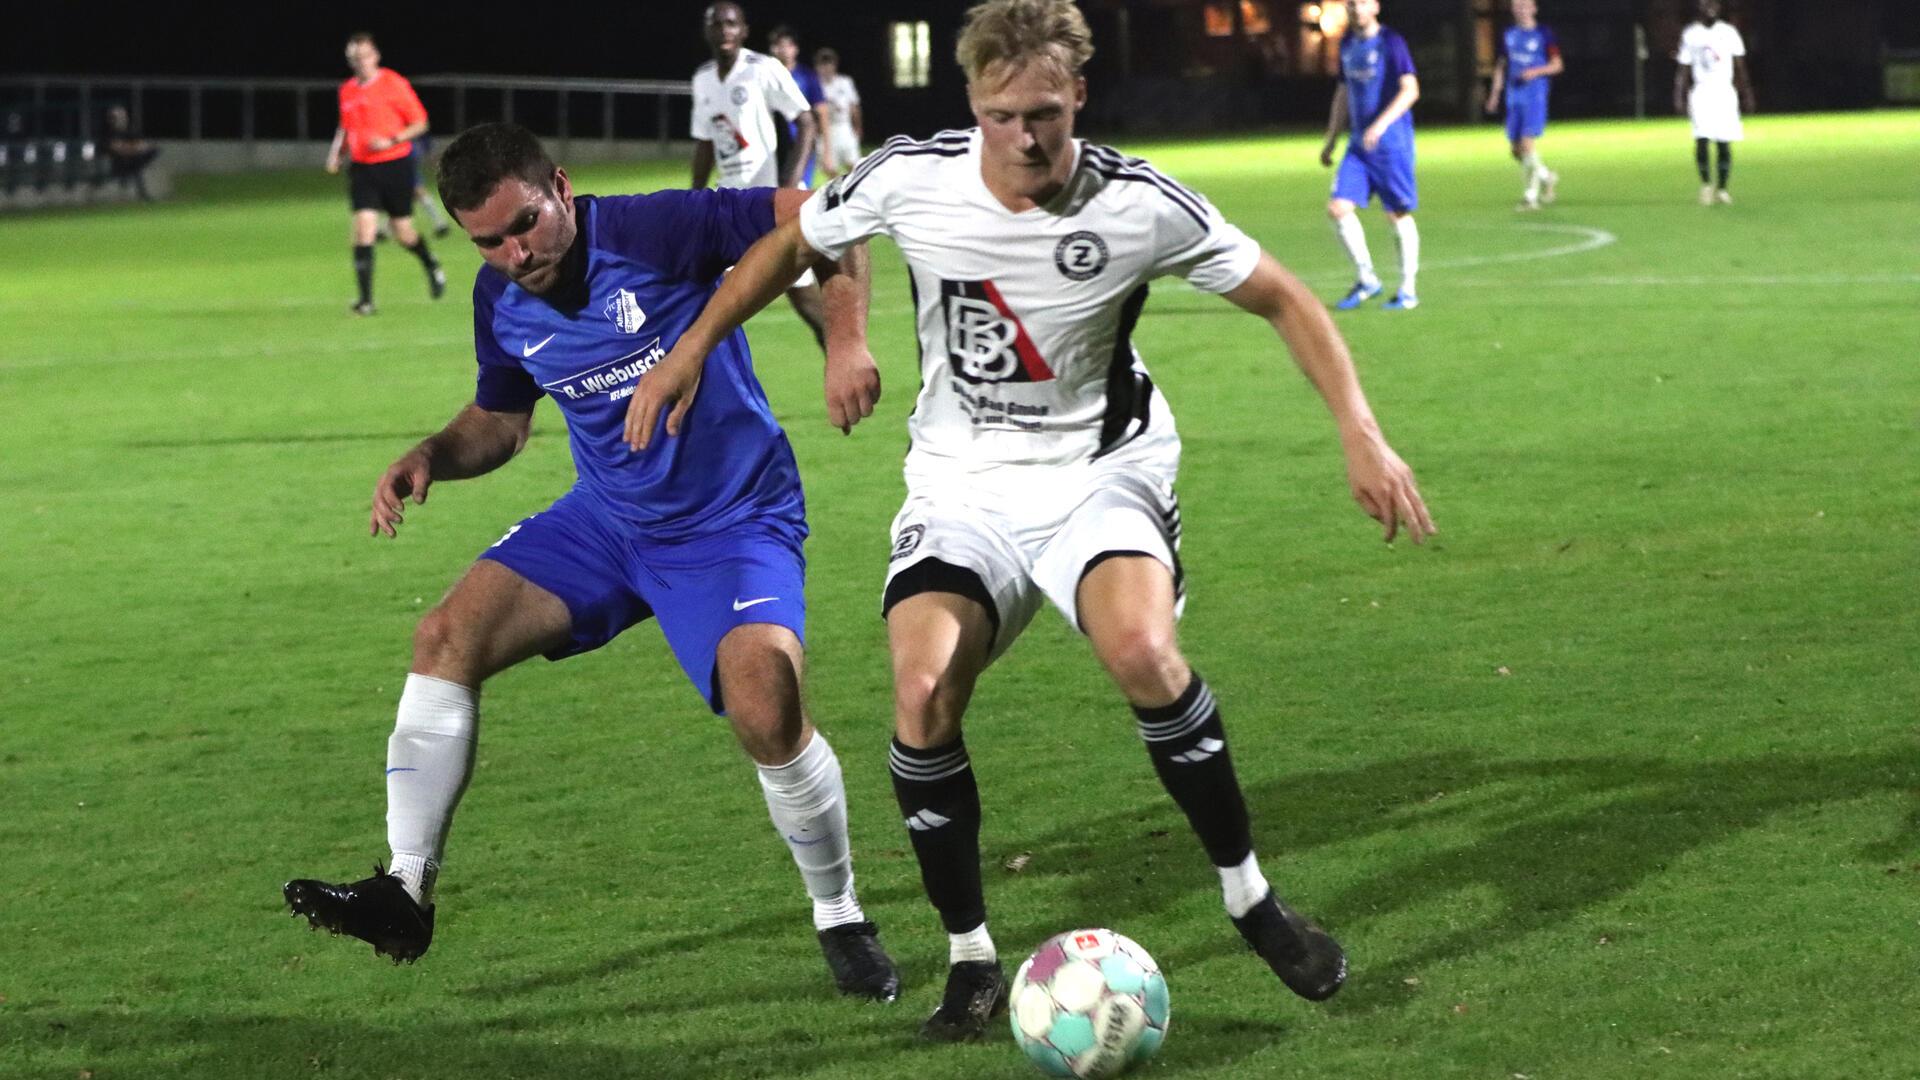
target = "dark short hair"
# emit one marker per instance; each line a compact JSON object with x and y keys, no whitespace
{"x":362,"y":37}
{"x":782,"y":31}
{"x":825,"y":56}
{"x":479,"y":158}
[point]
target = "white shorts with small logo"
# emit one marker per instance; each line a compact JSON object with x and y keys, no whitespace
{"x":845,"y":145}
{"x":1033,"y":538}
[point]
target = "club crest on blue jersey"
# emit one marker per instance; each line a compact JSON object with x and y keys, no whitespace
{"x":1080,"y":256}
{"x":624,"y":309}
{"x":986,"y":342}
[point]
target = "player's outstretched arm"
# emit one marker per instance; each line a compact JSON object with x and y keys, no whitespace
{"x":1336,"y":123}
{"x":1742,"y":83}
{"x":474,"y":442}
{"x":765,"y":272}
{"x":1382,"y":483}
{"x":1403,"y":100}
{"x":702,"y":164}
{"x":852,"y":378}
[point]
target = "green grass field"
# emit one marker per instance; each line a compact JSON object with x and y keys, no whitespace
{"x":1615,"y":779}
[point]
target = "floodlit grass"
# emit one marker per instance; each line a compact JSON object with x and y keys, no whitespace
{"x":1615,"y":779}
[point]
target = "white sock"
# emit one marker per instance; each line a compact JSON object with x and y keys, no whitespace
{"x":429,"y":761}
{"x":434,"y":213}
{"x":808,"y":803}
{"x":1408,"y":235}
{"x":1534,"y":172}
{"x":975,"y":944}
{"x":1243,"y":886}
{"x":1354,"y":239}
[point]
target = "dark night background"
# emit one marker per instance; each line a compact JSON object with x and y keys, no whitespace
{"x":1155,"y":68}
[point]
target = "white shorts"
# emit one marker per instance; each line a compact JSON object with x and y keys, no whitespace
{"x":846,"y":147}
{"x":1037,"y":542}
{"x":1715,"y":112}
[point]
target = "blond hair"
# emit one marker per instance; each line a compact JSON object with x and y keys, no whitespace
{"x":1014,"y":33}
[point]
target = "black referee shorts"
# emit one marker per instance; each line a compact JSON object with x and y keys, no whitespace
{"x":386,"y":187}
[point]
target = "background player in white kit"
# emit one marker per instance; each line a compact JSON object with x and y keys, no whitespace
{"x":1712,"y":63}
{"x":735,"y":97}
{"x":845,"y":126}
{"x":1043,"y":458}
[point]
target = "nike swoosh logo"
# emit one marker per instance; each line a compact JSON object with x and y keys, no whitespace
{"x":807,"y":843}
{"x":399,"y":768}
{"x":742,"y":605}
{"x":527,"y":350}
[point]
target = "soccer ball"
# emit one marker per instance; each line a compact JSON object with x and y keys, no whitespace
{"x":1089,"y":1004}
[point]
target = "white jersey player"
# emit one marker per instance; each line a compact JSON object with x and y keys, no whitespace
{"x":844,"y":122}
{"x":733,"y":114}
{"x":735,"y":98}
{"x":1710,"y":85}
{"x":1043,"y":456}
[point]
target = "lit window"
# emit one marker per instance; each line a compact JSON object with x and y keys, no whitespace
{"x":912,"y":51}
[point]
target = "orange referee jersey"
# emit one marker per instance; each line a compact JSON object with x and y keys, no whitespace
{"x":378,"y":110}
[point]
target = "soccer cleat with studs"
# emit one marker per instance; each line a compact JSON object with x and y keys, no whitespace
{"x":377,"y":910}
{"x":861,"y":968}
{"x":1305,"y":957}
{"x":363,"y":307}
{"x":976,"y":993}
{"x":436,"y":282}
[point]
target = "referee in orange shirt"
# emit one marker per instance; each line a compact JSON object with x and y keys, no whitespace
{"x":380,"y":116}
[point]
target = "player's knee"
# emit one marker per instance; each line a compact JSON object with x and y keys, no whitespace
{"x":1338,"y":209}
{"x":926,"y":706}
{"x":768,"y":730}
{"x":1144,"y":660}
{"x":441,"y":650}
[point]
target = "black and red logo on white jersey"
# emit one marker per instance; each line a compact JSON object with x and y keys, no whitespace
{"x":985,"y":341}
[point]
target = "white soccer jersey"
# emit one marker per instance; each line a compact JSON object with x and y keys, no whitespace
{"x":736,"y":115}
{"x":1025,"y":318}
{"x":841,"y":98}
{"x":1710,"y":50}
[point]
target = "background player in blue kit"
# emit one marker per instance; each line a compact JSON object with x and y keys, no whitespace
{"x":1529,"y":59}
{"x":1377,"y":89}
{"x":784,"y":45}
{"x":579,"y":298}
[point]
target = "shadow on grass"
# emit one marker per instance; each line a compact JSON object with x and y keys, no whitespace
{"x":1549,"y":839}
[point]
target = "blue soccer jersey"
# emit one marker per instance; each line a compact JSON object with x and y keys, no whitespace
{"x":808,"y":81}
{"x":651,"y":264}
{"x":1372,"y":67}
{"x":1522,"y":51}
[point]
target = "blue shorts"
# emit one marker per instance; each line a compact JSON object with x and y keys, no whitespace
{"x":1386,"y":173}
{"x":1526,"y":117}
{"x":699,"y":590}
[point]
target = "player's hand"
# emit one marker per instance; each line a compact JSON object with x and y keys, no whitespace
{"x":1383,"y":486}
{"x":333,"y":166}
{"x":668,"y":388}
{"x":1326,"y":156}
{"x":1370,"y":139}
{"x":1493,"y":104}
{"x":378,"y":143}
{"x":411,"y":475}
{"x":853,"y":386}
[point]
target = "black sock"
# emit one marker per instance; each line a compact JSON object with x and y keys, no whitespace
{"x":1700,"y":158}
{"x":363,"y":270}
{"x":420,"y":252}
{"x":1726,"y":162}
{"x":941,"y":802}
{"x":1188,"y":745}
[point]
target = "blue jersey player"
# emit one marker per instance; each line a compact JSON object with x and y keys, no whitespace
{"x":1529,"y":59}
{"x":1376,"y":93}
{"x":784,"y":45}
{"x":579,"y":298}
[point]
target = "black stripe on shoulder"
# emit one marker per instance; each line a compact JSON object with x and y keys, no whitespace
{"x":898,"y":147}
{"x":1143,"y":178}
{"x":1114,"y":165}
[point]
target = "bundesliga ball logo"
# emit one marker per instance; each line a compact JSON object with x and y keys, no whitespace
{"x":1089,"y":1004}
